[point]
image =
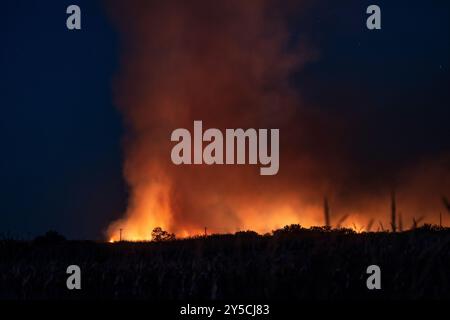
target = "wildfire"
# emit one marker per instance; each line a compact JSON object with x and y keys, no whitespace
{"x":229,"y":64}
{"x":150,"y":208}
{"x":259,"y":217}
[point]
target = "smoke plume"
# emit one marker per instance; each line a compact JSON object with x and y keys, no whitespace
{"x":228,"y":63}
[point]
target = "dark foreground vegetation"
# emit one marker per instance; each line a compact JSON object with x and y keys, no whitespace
{"x":290,"y":264}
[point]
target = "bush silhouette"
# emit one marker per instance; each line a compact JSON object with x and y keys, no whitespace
{"x":50,"y":237}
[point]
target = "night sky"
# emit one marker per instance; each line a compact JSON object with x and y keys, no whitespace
{"x":61,"y":133}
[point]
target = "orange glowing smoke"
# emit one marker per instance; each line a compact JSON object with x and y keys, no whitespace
{"x":150,"y":208}
{"x":228,"y":64}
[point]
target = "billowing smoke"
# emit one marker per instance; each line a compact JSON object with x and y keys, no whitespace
{"x":228,"y":63}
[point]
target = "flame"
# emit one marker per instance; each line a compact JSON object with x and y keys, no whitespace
{"x":150,"y":208}
{"x":227,"y":63}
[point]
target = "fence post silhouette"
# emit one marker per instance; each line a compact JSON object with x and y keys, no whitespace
{"x":326,"y":212}
{"x":393,"y":213}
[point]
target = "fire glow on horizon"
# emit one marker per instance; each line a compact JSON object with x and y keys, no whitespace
{"x":226,"y":63}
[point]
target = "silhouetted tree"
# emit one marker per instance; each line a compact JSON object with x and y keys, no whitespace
{"x":288,"y":229}
{"x":158,"y":234}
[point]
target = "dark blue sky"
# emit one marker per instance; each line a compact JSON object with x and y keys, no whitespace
{"x":394,"y":81}
{"x":60,"y":132}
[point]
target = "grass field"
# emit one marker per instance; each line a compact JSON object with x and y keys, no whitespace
{"x":290,"y":264}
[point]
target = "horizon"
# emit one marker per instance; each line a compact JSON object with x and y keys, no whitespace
{"x":87,"y":114}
